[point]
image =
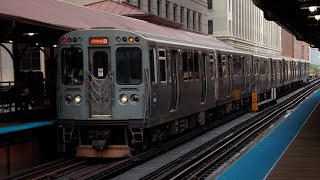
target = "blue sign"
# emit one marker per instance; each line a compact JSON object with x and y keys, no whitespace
{"x":154,"y":99}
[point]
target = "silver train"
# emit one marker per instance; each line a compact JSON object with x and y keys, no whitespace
{"x":121,"y":91}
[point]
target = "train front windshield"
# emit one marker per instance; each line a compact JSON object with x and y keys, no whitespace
{"x":72,"y":66}
{"x":129,"y":65}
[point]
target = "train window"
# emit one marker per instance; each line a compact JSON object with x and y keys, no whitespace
{"x":243,"y":61}
{"x":163,"y":65}
{"x":212,"y":66}
{"x":248,"y":67}
{"x":262,"y":68}
{"x":235,"y":66}
{"x":152,"y":62}
{"x":227,"y":67}
{"x":266,"y":67}
{"x":190,"y":65}
{"x":100,"y":64}
{"x":224,"y":66}
{"x":129,"y":65}
{"x":185,"y":65}
{"x":72,"y":66}
{"x":220,"y":64}
{"x":196,"y":65}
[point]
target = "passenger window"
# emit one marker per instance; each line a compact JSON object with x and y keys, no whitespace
{"x":190,"y":65}
{"x":235,"y":67}
{"x":224,"y":66}
{"x":163,"y":66}
{"x":185,"y":65}
{"x":211,"y":66}
{"x":196,"y":65}
{"x":153,"y":64}
{"x":248,"y":67}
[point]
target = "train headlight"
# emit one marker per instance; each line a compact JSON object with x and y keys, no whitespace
{"x":123,"y":99}
{"x":68,"y":99}
{"x":135,"y":98}
{"x":77,"y":99}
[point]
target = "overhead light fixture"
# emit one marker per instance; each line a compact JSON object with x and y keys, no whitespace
{"x":317,"y":17}
{"x":10,"y":41}
{"x":312,"y":9}
{"x":30,"y":34}
{"x":55,"y":45}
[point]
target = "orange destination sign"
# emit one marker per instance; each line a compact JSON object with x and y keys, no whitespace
{"x":98,"y":41}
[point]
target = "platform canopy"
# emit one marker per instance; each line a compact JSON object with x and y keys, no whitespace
{"x":295,"y":16}
{"x":49,"y":19}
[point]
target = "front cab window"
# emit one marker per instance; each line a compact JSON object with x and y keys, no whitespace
{"x":72,"y":66}
{"x":129,"y":66}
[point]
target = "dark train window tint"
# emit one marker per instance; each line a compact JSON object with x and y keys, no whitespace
{"x":211,"y":66}
{"x":196,"y":65}
{"x":224,"y":67}
{"x":163,"y":66}
{"x":235,"y":67}
{"x":129,"y":65}
{"x":227,"y":68}
{"x":185,"y":65}
{"x":100,"y":64}
{"x":243,"y":61}
{"x":72,"y":66}
{"x":190,"y":65}
{"x":152,"y":64}
{"x":248,"y":67}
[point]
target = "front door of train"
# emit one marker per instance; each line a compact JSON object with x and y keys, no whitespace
{"x":100,"y":83}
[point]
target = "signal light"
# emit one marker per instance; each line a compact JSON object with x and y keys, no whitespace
{"x":118,"y":39}
{"x":137,"y":39}
{"x":80,"y":40}
{"x":69,"y":40}
{"x":124,"y":39}
{"x":130,"y":39}
{"x":74,"y":40}
{"x":64,"y":40}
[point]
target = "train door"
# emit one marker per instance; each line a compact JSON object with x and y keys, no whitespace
{"x":203,"y":59}
{"x":100,"y":83}
{"x":229,"y":74}
{"x":175,"y":80}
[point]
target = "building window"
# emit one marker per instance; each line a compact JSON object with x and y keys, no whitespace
{"x":139,"y":4}
{"x":210,"y":4}
{"x":194,"y":21}
{"x":210,"y":27}
{"x":302,"y":52}
{"x":181,"y":14}
{"x":174,"y":12}
{"x":199,"y":23}
{"x":188,"y":15}
{"x":167,"y":9}
{"x":158,"y":7}
{"x":149,"y":6}
{"x":30,"y":60}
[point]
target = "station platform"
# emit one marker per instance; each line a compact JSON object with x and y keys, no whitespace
{"x":27,"y":139}
{"x":291,"y":150}
{"x":20,"y":121}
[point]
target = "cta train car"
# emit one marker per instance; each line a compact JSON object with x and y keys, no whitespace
{"x":120,"y":91}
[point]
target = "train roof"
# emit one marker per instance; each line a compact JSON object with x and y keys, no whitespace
{"x":63,"y":15}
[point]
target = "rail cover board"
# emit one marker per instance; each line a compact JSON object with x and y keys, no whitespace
{"x":258,"y":162}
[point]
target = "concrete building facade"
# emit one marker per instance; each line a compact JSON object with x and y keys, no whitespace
{"x":242,"y":25}
{"x":191,"y":13}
